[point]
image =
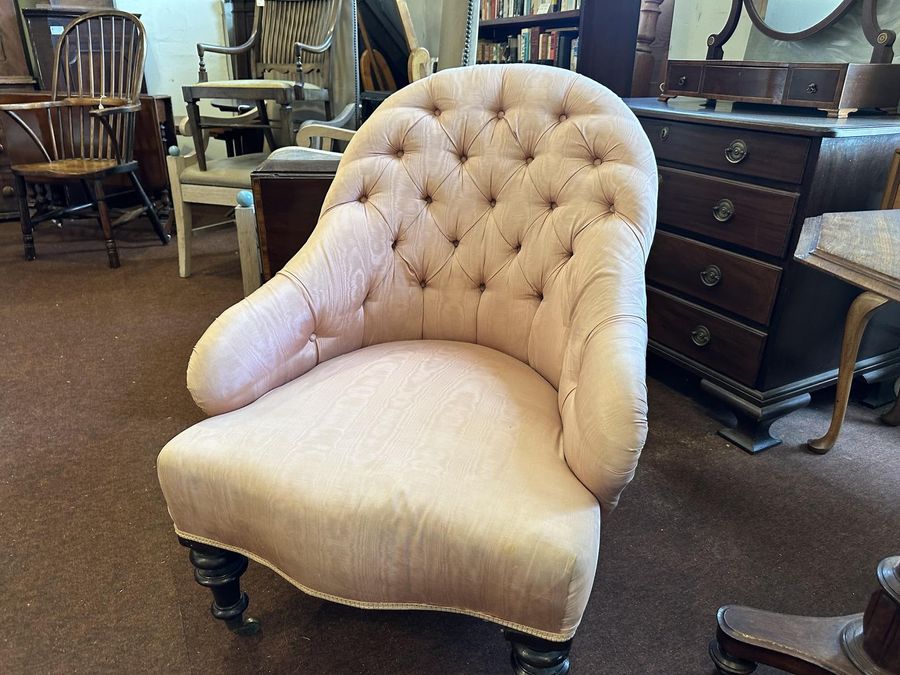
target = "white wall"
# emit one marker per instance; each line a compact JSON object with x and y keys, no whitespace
{"x":174,"y":27}
{"x":695,"y":20}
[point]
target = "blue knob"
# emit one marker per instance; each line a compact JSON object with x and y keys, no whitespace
{"x":174,"y":150}
{"x":245,"y":198}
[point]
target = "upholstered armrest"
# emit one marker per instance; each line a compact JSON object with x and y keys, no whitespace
{"x":309,"y":312}
{"x":603,"y":390}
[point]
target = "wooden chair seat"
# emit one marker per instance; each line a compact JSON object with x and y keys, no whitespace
{"x":72,"y":168}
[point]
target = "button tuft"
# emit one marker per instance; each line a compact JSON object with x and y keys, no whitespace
{"x":437,"y":112}
{"x":422,"y":284}
{"x":597,"y":161}
{"x":399,"y":154}
{"x":501,"y":114}
{"x":427,"y":199}
{"x":552,"y":205}
{"x":529,"y":159}
{"x":394,"y":244}
{"x":363,"y":199}
{"x":493,"y":202}
{"x":463,"y":159}
{"x":455,"y":243}
{"x":312,"y":337}
{"x":563,"y":117}
{"x":481,"y":287}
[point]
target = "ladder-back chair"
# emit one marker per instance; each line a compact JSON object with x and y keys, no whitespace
{"x":291,"y":59}
{"x":86,"y":130}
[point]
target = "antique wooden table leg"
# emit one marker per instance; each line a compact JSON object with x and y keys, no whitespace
{"x":867,"y":644}
{"x":857,"y":319}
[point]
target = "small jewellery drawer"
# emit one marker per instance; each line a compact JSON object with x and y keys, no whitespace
{"x":732,"y":282}
{"x":684,"y":78}
{"x":721,"y":344}
{"x":813,"y":84}
{"x":749,"y":153}
{"x":756,"y":217}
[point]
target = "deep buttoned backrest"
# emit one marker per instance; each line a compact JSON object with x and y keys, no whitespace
{"x":499,"y":192}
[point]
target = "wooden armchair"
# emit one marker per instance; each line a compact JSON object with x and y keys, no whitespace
{"x":86,"y":131}
{"x":290,"y":39}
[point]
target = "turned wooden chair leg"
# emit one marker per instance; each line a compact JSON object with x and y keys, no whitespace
{"x":25,"y":217}
{"x":220,"y":571}
{"x":534,"y":656}
{"x":892,"y":416}
{"x":857,"y":319}
{"x":111,"y":249}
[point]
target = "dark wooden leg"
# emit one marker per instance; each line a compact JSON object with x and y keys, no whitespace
{"x":267,"y":124}
{"x":151,"y":210}
{"x":25,"y":217}
{"x":751,"y":433}
{"x":867,"y":644}
{"x":726,"y":664}
{"x":892,"y":416}
{"x":858,"y":317}
{"x":111,"y":250}
{"x":193,"y":111}
{"x":534,"y":656}
{"x":220,"y":571}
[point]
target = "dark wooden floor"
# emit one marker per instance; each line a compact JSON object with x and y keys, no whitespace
{"x":92,"y":579}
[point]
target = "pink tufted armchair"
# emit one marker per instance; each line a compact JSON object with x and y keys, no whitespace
{"x":433,"y":403}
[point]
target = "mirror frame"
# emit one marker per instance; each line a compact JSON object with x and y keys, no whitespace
{"x":881,"y":39}
{"x":765,"y":28}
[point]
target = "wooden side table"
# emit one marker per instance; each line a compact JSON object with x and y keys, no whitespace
{"x":861,"y":248}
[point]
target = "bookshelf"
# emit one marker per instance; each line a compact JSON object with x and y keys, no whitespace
{"x":509,"y":32}
{"x":606,"y":31}
{"x":568,"y":18}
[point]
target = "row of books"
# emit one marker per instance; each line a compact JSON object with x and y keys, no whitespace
{"x":501,"y":9}
{"x":558,"y":47}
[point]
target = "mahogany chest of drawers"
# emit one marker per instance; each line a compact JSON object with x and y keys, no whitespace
{"x":726,"y":299}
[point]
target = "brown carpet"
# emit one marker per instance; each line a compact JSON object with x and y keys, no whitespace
{"x":92,"y":579}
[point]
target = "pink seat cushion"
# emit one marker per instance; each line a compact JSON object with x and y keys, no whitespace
{"x":415,"y":474}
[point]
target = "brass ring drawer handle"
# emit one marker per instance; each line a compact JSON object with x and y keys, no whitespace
{"x":711,"y":275}
{"x":664,"y":134}
{"x":812,"y":88}
{"x":737,"y":151}
{"x":723,"y":211}
{"x":700,"y":336}
{"x":682,"y":80}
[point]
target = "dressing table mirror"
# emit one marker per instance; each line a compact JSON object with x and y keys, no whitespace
{"x":836,"y":88}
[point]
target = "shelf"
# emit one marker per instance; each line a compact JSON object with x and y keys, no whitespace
{"x":571,"y":17}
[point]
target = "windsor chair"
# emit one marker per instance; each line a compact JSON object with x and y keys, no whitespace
{"x":86,"y":131}
{"x":291,"y":55}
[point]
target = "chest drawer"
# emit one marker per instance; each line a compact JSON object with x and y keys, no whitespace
{"x":732,"y":282}
{"x":747,"y":215}
{"x":748,"y":153}
{"x":721,"y":344}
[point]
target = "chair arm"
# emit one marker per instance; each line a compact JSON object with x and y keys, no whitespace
{"x":224,"y":49}
{"x":115,"y":110}
{"x":315,"y":49}
{"x":603,"y":389}
{"x":202,"y":48}
{"x":34,"y":105}
{"x":309,"y":312}
{"x":335,"y":129}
